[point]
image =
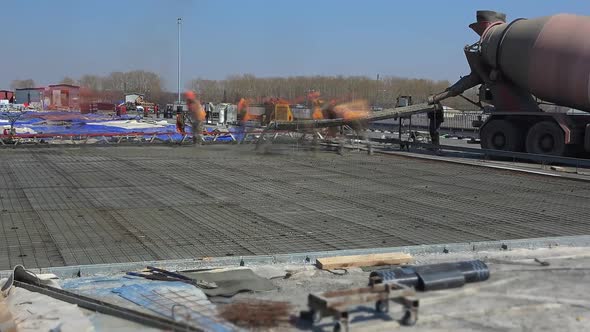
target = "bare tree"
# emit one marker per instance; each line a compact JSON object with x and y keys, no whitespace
{"x":92,"y":82}
{"x":144,"y":82}
{"x":378,"y":92}
{"x":22,"y":84}
{"x":115,"y":81}
{"x":382,"y":92}
{"x":68,"y":80}
{"x":207,"y":89}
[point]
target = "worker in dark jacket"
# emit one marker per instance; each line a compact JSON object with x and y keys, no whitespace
{"x":243,"y":118}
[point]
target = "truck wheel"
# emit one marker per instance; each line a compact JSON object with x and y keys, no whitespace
{"x":546,"y":137}
{"x":501,"y":135}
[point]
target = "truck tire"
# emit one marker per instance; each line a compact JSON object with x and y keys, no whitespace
{"x":501,"y":135}
{"x":546,"y":137}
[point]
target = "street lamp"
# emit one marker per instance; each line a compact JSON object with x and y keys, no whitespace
{"x":179,"y":23}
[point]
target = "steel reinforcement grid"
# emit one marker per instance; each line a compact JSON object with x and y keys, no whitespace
{"x":76,"y":206}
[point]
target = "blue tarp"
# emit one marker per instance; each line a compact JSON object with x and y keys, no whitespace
{"x":158,"y":296}
{"x":75,"y":123}
{"x":178,"y":301}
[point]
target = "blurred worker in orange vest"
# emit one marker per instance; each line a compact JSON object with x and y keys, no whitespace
{"x":197,"y":116}
{"x":316,"y":105}
{"x":243,"y":111}
{"x":180,"y":122}
{"x":243,"y":117}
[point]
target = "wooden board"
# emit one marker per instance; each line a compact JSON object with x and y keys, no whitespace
{"x":336,"y":262}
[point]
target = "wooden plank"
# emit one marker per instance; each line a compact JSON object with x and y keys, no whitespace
{"x":336,"y":262}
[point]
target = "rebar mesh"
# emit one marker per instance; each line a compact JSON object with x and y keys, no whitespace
{"x":70,"y":206}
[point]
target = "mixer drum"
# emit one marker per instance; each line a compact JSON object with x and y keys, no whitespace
{"x":548,"y":56}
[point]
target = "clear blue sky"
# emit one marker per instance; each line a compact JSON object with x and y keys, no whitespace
{"x":50,"y":39}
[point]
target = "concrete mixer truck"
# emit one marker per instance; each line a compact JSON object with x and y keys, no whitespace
{"x":519,"y":67}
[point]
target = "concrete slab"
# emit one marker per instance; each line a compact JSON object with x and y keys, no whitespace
{"x":96,"y":205}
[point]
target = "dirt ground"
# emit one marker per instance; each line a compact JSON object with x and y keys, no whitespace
{"x":528,"y":290}
{"x":521,"y":294}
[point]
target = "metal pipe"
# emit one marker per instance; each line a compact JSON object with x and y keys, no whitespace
{"x":382,"y":115}
{"x":399,"y":133}
{"x":434,"y":276}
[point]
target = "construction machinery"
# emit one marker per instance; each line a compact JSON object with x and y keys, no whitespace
{"x":137,"y":103}
{"x":277,"y":110}
{"x":524,"y":69}
{"x":354,"y":114}
{"x":223,"y":114}
{"x":403,"y":101}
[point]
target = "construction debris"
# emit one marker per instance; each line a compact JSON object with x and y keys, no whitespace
{"x":164,"y":275}
{"x":231,"y":281}
{"x":23,"y":288}
{"x":339,"y":304}
{"x":33,"y":311}
{"x":502,"y":303}
{"x":339,"y":262}
{"x":257,"y":313}
{"x":188,"y":305}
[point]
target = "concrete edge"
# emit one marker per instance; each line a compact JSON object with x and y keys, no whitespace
{"x":308,"y":258}
{"x":475,"y":163}
{"x":479,"y":163}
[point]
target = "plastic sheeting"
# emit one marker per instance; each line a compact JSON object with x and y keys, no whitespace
{"x":73,"y":123}
{"x":31,"y":311}
{"x":179,"y":301}
{"x":37,"y":312}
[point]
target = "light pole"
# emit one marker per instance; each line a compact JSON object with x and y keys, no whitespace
{"x":179,"y":23}
{"x":378,"y":87}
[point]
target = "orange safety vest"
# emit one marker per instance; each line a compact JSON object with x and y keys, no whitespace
{"x":179,"y":124}
{"x":243,"y":110}
{"x":197,"y":111}
{"x":317,"y":114}
{"x":246,"y":116}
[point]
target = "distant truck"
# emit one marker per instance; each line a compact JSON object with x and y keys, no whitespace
{"x":135,"y":102}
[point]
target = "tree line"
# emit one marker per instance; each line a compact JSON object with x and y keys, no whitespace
{"x":113,"y":85}
{"x":380,"y":92}
{"x":377,"y":92}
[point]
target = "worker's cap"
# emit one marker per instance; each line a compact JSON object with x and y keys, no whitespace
{"x":190,"y":95}
{"x":485,"y":18}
